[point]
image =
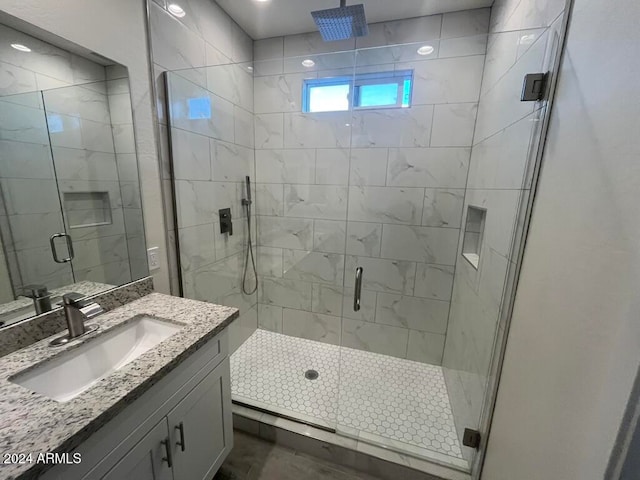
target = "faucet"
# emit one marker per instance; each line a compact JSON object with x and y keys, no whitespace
{"x":40,"y":296}
{"x":76,"y":311}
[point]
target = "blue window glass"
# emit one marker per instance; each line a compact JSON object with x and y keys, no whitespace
{"x":370,"y":90}
{"x":199,"y":107}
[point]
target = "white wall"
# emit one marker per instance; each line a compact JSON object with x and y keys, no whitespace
{"x":114,"y":29}
{"x":573,"y":346}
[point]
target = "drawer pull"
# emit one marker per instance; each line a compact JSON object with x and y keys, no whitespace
{"x":167,"y":447}
{"x":180,"y":428}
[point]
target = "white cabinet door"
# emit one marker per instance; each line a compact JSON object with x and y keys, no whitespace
{"x":201,"y":427}
{"x":148,"y":460}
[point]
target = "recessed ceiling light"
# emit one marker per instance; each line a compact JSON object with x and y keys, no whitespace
{"x":19,"y":46}
{"x":425,"y":50}
{"x":308,"y":63}
{"x":262,"y":1}
{"x":176,"y":10}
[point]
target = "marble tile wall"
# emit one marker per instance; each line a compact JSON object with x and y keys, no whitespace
{"x":380,"y":188}
{"x":211,"y":156}
{"x":78,"y":124}
{"x":504,"y":150}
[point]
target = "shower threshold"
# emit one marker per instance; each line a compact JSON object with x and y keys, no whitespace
{"x":399,"y":405}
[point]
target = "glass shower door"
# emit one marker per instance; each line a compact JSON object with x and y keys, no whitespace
{"x":31,"y":214}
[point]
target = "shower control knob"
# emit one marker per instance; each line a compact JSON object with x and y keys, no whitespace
{"x":226,"y":225}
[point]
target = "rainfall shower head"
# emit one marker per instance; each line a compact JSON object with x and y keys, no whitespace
{"x":341,"y":23}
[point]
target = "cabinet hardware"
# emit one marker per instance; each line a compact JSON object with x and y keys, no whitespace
{"x":180,"y":428}
{"x":167,"y":447}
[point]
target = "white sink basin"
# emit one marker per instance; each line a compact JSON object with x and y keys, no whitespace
{"x":73,"y":372}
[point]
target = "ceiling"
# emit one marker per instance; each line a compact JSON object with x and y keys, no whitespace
{"x":274,"y":18}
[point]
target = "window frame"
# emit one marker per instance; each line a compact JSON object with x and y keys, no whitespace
{"x":355,"y":82}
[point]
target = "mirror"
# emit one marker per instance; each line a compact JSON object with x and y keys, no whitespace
{"x":70,"y":207}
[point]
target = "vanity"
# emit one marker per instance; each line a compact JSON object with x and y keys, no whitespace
{"x":146,"y":396}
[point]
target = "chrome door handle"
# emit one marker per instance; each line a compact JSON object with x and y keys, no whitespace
{"x":358,"y":290}
{"x":180,"y":428}
{"x":52,"y":242}
{"x":167,"y":448}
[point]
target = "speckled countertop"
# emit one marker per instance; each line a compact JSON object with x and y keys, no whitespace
{"x":30,"y":422}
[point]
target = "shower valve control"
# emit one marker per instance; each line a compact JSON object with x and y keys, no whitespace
{"x":226,"y":225}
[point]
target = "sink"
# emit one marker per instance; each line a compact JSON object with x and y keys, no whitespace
{"x":69,"y":374}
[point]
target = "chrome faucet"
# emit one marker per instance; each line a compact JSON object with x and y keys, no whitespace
{"x":40,"y":296}
{"x":76,"y":311}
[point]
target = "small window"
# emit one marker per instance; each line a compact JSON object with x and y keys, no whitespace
{"x":371,"y":90}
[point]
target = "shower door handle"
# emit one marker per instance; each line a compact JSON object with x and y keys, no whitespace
{"x":52,"y":242}
{"x":358,"y":290}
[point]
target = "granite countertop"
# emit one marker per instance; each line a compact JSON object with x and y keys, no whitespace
{"x":85,"y":287}
{"x":33,"y":423}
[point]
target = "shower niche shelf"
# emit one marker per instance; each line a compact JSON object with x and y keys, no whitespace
{"x":87,"y":209}
{"x":473,"y":235}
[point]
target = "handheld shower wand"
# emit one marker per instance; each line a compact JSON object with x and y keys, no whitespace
{"x":247,"y":202}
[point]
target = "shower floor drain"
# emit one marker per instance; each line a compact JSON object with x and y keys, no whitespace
{"x":311,"y":375}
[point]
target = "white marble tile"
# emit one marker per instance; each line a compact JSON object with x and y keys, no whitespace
{"x":312,"y":326}
{"x":446,"y":80}
{"x":96,"y":136}
{"x":174,"y":45}
{"x":317,"y":130}
{"x":443,"y":207}
{"x":190,"y":155}
{"x":364,"y":239}
{"x":268,"y":48}
{"x":412,"y":127}
{"x":329,"y":236}
{"x":382,"y":59}
{"x":464,"y":46}
{"x":402,"y":31}
{"x":82,"y":102}
{"x":316,"y":201}
{"x":229,"y":162}
{"x":373,"y":337}
{"x":269,"y":199}
{"x":327,"y":299}
{"x":23,"y":124}
{"x":386,"y":205}
{"x":285,"y":232}
{"x":383,"y":275}
{"x":269,"y":261}
{"x":367,"y":312}
{"x":270,"y":317}
{"x":434,"y":281}
{"x":211,"y":22}
{"x":25,"y":160}
{"x":285,"y":293}
{"x":23,"y":196}
{"x":433,"y":168}
{"x":123,"y":139}
{"x":368,"y":166}
{"x":14,"y":79}
{"x":31,"y":230}
{"x":286,"y":166}
{"x":232,"y":82}
{"x":73,"y":164}
{"x":315,"y":267}
{"x":228,"y":245}
{"x":425,"y":347}
{"x":197,"y":247}
{"x":98,"y":251}
{"x":501,"y":160}
{"x":279,"y":93}
{"x":423,"y":314}
{"x":325,"y":64}
{"x":332,"y":166}
{"x":453,"y":125}
{"x":194,"y":202}
{"x":269,"y":130}
{"x":312,"y":43}
{"x":420,"y":244}
{"x":501,"y":106}
{"x":244,"y":127}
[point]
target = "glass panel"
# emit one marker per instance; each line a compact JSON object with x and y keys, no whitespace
{"x":30,"y":207}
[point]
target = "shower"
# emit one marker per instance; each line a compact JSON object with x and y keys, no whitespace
{"x":247,"y":202}
{"x":341,"y":23}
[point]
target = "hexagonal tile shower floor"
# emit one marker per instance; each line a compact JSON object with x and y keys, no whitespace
{"x":379,"y":399}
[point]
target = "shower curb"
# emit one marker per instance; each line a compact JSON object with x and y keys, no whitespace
{"x":349,"y":452}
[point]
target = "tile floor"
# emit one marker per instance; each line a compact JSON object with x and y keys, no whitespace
{"x":375,"y":398}
{"x":256,"y":459}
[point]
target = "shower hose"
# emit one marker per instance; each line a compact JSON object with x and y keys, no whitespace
{"x":249,"y":254}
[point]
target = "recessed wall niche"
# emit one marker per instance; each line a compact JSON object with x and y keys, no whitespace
{"x":87,"y":209}
{"x":473,"y":234}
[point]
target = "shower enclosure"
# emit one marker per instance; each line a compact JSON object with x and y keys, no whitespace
{"x":410,"y":164}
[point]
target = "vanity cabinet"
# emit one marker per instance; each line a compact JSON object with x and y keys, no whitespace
{"x":180,"y":429}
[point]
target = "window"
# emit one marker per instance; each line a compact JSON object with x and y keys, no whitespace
{"x":370,"y":90}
